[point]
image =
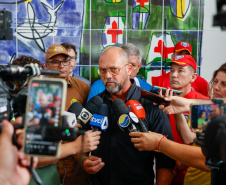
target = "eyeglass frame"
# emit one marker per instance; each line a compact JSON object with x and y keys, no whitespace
{"x":109,"y":68}
{"x":72,"y":58}
{"x":68,"y":60}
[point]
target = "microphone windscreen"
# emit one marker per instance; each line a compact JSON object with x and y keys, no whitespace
{"x":119,"y":108}
{"x":75,"y":108}
{"x":136,"y":107}
{"x":94,"y":104}
{"x":104,"y":111}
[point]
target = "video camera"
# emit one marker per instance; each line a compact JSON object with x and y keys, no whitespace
{"x":213,"y":142}
{"x":11,"y":104}
{"x":220,"y":18}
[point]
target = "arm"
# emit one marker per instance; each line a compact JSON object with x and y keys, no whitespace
{"x":91,"y":141}
{"x":183,"y":129}
{"x":186,"y":154}
{"x":164,"y":176}
{"x":164,"y":164}
{"x":180,"y":105}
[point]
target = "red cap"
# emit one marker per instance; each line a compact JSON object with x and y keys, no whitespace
{"x":183,"y":60}
{"x":180,"y":46}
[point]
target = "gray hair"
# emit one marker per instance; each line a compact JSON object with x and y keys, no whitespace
{"x":192,"y":70}
{"x":131,"y":49}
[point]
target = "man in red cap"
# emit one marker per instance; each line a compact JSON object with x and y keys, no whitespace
{"x":200,"y":84}
{"x":182,"y":74}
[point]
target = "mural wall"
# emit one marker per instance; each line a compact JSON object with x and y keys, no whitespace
{"x":29,"y":27}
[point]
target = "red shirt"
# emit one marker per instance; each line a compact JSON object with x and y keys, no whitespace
{"x":199,"y":85}
{"x":191,"y":95}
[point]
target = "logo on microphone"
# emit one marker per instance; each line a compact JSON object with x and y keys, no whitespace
{"x":138,"y":106}
{"x":99,"y":121}
{"x":133,"y":117}
{"x":84,"y":115}
{"x":124,"y":121}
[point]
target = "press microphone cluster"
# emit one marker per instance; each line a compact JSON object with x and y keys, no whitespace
{"x":126,"y":119}
{"x":92,"y":107}
{"x":94,"y":111}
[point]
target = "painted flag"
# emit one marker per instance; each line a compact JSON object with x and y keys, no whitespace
{"x":160,"y":49}
{"x":141,"y":12}
{"x":113,"y":31}
{"x":180,"y":8}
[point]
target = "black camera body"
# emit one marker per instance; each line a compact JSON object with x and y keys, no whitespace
{"x":213,"y":143}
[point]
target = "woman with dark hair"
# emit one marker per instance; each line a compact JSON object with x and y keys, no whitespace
{"x":217,"y":85}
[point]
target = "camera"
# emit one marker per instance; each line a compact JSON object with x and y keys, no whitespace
{"x":220,"y":18}
{"x":12,"y":104}
{"x":213,"y":141}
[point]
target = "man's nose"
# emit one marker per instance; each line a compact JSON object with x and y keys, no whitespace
{"x":108,"y":74}
{"x":174,"y":74}
{"x":61,"y":65}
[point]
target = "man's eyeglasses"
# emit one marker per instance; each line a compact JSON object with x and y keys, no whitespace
{"x":113,"y":70}
{"x":56,"y":63}
{"x":73,"y":58}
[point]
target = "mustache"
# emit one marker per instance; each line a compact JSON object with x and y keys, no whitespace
{"x":109,"y":80}
{"x":62,"y":70}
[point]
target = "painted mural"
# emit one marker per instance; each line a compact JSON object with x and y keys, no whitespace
{"x":29,"y":27}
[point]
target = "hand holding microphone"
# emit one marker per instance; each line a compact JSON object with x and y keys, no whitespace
{"x":91,"y":140}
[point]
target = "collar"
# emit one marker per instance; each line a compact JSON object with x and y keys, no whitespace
{"x":134,"y":92}
{"x":69,"y":80}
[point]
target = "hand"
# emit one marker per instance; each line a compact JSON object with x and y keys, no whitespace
{"x":91,"y":140}
{"x":145,"y":141}
{"x":92,"y":164}
{"x":13,"y":163}
{"x":177,"y":104}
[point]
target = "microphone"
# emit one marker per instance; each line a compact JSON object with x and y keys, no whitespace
{"x":18,"y":73}
{"x":74,"y":109}
{"x":100,"y":121}
{"x":48,"y":113}
{"x":136,"y":107}
{"x":91,"y":107}
{"x":126,"y":119}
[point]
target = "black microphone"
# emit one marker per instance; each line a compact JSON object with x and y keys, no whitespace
{"x":73,"y":111}
{"x":126,"y":119}
{"x":99,"y":121}
{"x":18,"y":73}
{"x":75,"y":108}
{"x":91,"y":107}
